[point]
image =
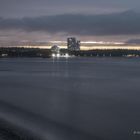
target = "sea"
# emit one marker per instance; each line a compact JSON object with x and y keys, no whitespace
{"x":80,"y":98}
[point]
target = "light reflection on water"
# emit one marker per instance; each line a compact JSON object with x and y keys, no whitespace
{"x":97,"y":96}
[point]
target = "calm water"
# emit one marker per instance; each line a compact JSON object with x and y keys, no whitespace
{"x":72,"y":99}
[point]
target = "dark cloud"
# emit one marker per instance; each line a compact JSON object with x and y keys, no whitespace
{"x":23,"y":8}
{"x":111,"y":24}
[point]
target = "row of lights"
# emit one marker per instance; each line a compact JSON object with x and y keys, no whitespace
{"x":59,"y":55}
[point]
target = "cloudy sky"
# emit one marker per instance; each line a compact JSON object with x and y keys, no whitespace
{"x":44,"y":20}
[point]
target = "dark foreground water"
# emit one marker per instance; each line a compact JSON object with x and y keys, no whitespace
{"x":73,"y":99}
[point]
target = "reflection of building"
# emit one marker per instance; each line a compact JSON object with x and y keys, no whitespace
{"x":73,"y":44}
{"x":55,"y":49}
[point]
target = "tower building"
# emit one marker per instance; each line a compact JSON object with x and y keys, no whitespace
{"x":73,"y":44}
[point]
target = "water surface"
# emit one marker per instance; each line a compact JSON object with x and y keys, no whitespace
{"x":97,"y":98}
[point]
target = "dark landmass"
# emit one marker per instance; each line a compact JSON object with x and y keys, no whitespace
{"x":108,"y":53}
{"x":24,"y":52}
{"x":46,"y":53}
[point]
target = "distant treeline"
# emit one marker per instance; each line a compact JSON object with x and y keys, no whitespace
{"x":107,"y":53}
{"x":46,"y":53}
{"x":24,"y":52}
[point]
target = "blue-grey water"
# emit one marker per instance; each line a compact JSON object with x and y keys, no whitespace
{"x":72,"y":99}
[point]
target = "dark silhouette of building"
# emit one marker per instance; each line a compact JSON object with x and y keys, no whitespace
{"x":73,"y":44}
{"x":55,"y":49}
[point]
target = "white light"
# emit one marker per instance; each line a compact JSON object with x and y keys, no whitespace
{"x":66,"y":55}
{"x":53,"y":55}
{"x":58,"y":55}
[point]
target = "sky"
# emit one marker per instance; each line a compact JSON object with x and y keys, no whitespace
{"x":44,"y":20}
